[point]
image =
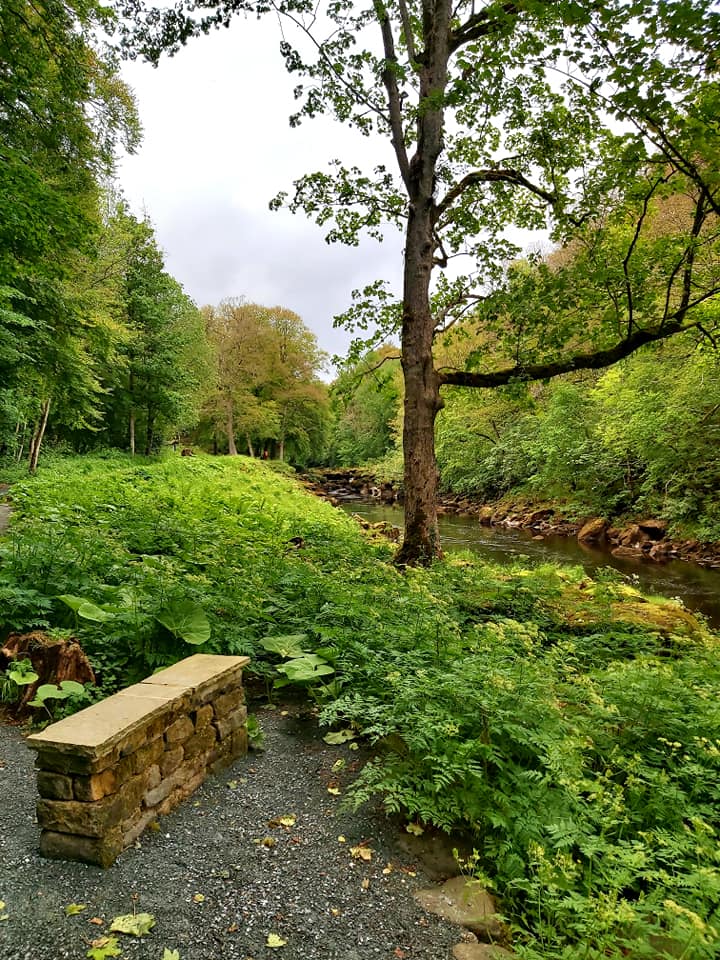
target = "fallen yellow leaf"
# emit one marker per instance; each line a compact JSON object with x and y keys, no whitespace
{"x":199,"y":898}
{"x":361,"y":853}
{"x":365,"y":884}
{"x":335,"y":791}
{"x":341,"y":839}
{"x":273,"y":940}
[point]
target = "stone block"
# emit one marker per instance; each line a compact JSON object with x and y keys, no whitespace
{"x":226,"y":703}
{"x":62,"y":762}
{"x":134,"y":827}
{"x":220,"y":757}
{"x":203,"y":670}
{"x":203,"y":716}
{"x":153,"y":776}
{"x":134,"y":740}
{"x":102,"y":851}
{"x":239,"y":743}
{"x":148,"y":754}
{"x":171,"y":760}
{"x":74,"y":816}
{"x":155,"y":796}
{"x":96,"y":786}
{"x":226,"y":726}
{"x":201,"y":743}
{"x":182,"y":729}
{"x":54,"y":786}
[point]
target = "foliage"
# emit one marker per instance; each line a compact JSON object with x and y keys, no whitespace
{"x":365,"y":401}
{"x":267,"y":388}
{"x":595,"y":122}
{"x":547,"y":716}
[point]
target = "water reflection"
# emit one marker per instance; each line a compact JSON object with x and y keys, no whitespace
{"x":698,"y":588}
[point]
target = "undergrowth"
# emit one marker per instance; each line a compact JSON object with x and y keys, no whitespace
{"x":569,"y":729}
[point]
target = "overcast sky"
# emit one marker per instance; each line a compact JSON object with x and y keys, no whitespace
{"x":217,"y":147}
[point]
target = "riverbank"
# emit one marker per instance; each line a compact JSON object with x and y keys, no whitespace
{"x":645,"y":538}
{"x":559,"y":721}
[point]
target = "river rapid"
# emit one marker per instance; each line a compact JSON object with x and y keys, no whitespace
{"x":698,"y":588}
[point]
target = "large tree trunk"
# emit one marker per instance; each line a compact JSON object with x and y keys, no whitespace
{"x":422,"y":402}
{"x":422,"y":384}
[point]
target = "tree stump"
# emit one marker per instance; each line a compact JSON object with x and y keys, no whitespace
{"x":52,"y":660}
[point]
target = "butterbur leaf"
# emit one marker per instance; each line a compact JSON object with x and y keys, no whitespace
{"x":273,"y":940}
{"x":185,"y":619}
{"x":72,"y":909}
{"x":136,"y":924}
{"x":104,"y":947}
{"x":288,"y":646}
{"x":305,"y":668}
{"x":341,"y":736}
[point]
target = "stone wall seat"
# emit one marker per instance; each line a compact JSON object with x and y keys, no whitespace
{"x":107,"y":772}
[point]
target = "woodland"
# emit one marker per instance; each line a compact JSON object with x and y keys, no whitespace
{"x":567,"y":728}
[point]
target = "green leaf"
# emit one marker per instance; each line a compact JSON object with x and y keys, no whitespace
{"x":136,"y":924}
{"x":287,"y":645}
{"x":85,"y":608}
{"x":185,"y":619}
{"x":306,"y":668}
{"x":341,"y":736}
{"x":72,"y":909}
{"x":103,"y":948}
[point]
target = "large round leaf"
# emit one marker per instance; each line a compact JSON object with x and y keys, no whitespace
{"x":186,"y":620}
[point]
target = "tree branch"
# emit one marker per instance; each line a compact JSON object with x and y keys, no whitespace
{"x":482,"y":24}
{"x":492,"y":176}
{"x":407,"y":30}
{"x":391,"y":85}
{"x":581,"y":361}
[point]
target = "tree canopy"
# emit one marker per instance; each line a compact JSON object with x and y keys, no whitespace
{"x":565,"y":116}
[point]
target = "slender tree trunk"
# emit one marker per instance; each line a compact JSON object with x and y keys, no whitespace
{"x":131,"y":385}
{"x":230,"y":427}
{"x":281,"y":449}
{"x":149,"y":432}
{"x":251,"y":452}
{"x":38,"y":435}
{"x":215,"y":443}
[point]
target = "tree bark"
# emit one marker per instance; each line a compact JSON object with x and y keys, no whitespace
{"x":131,"y":386}
{"x":422,"y":384}
{"x":149,"y":432}
{"x":38,"y":435}
{"x":230,"y":427}
{"x":251,"y":452}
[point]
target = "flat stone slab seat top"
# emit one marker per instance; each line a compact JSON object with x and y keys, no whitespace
{"x":108,"y":771}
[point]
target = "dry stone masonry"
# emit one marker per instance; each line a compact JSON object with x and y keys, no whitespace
{"x":107,"y":772}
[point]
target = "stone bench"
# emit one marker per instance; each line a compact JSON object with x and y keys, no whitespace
{"x":108,"y":771}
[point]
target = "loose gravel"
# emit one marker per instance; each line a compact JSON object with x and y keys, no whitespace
{"x":302,"y":883}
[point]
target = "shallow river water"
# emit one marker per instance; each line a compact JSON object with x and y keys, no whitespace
{"x":698,"y":588}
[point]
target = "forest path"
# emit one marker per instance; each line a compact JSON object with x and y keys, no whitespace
{"x":221,"y":874}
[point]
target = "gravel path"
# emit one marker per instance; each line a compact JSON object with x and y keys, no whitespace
{"x":306,"y":887}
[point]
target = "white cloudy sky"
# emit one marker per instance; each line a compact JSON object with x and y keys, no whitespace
{"x":216,"y":149}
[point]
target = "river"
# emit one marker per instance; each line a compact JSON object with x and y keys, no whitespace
{"x":698,"y":588}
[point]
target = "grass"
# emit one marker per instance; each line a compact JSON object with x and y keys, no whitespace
{"x":570,"y":729}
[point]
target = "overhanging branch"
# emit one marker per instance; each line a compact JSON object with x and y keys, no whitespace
{"x":596,"y":360}
{"x":491,"y":175}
